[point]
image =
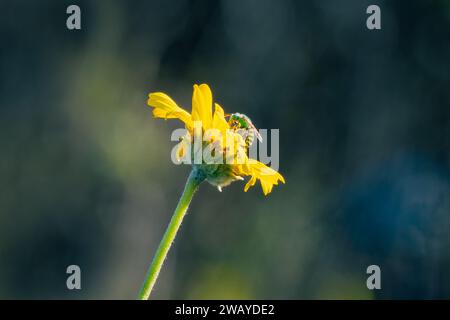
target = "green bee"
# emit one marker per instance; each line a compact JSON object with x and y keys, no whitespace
{"x":241,"y":121}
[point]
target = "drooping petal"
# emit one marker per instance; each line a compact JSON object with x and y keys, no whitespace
{"x":266,"y":176}
{"x":202,"y":105}
{"x":165,"y":107}
{"x":250,"y":183}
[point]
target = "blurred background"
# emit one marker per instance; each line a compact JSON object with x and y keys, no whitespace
{"x":86,"y":176}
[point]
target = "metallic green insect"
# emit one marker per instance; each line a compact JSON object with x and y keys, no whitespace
{"x":241,"y":121}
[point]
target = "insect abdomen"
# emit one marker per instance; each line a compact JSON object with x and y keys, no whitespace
{"x":250,"y":138}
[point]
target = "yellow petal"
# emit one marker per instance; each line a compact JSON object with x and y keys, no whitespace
{"x":250,"y":183}
{"x":202,"y":105}
{"x":219,"y":121}
{"x":266,"y":175}
{"x":165,"y":107}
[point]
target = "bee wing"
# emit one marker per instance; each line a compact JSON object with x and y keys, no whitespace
{"x":255,"y":131}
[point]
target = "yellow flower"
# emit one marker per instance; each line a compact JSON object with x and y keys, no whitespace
{"x":216,"y":132}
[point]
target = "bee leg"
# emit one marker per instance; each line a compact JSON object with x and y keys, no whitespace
{"x":239,"y":178}
{"x":219,"y":188}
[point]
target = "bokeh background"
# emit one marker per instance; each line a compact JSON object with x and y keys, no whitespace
{"x":86,"y":176}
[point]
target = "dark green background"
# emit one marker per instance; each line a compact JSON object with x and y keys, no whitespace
{"x":86,"y":176}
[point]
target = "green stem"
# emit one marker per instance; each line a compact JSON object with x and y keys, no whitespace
{"x":194,"y":180}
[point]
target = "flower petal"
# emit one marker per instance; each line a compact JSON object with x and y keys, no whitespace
{"x":250,"y":183}
{"x":266,"y":175}
{"x":165,"y":107}
{"x":219,"y":121}
{"x":202,"y":105}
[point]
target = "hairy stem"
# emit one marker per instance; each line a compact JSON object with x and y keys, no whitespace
{"x":194,"y":180}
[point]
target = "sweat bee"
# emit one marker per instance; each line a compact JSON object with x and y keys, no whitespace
{"x":241,"y":121}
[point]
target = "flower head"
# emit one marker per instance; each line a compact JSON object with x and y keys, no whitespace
{"x":226,"y":160}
